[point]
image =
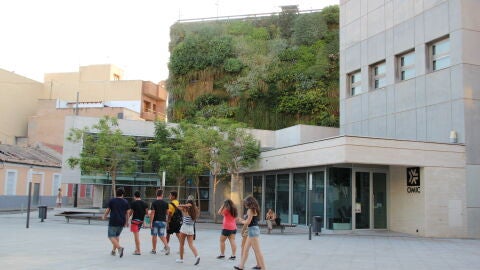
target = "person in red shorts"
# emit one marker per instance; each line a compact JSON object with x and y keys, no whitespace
{"x":138,"y":209}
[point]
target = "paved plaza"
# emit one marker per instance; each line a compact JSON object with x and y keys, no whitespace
{"x":54,"y":244}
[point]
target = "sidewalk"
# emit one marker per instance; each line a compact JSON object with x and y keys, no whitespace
{"x":54,"y":244}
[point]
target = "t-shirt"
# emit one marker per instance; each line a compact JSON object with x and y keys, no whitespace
{"x":160,"y":207}
{"x":138,"y":207}
{"x":118,"y":211}
{"x":171,"y":209}
{"x":228,"y":220}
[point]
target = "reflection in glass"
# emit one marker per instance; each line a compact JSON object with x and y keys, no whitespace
{"x":282,"y":197}
{"x":299,"y":211}
{"x":270,"y":192}
{"x":257,"y":189}
{"x":317,"y":194}
{"x":380,"y":200}
{"x":339,"y":199}
{"x":362,"y":200}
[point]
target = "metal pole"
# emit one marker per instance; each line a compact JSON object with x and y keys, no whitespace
{"x":310,"y":187}
{"x":75,"y":196}
{"x":29,"y":203}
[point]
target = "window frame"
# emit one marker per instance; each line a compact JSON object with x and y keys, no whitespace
{"x":377,"y":77}
{"x":15,"y":180}
{"x":435,"y":57}
{"x":355,"y":85}
{"x":403,"y":68}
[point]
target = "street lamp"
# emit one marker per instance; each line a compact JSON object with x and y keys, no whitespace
{"x":29,"y":179}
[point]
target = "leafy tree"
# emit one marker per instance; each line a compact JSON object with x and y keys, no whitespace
{"x":105,"y":150}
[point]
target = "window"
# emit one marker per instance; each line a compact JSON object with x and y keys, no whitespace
{"x":406,"y":66}
{"x":440,"y":54}
{"x":378,"y":75}
{"x":11,"y":183}
{"x":355,"y":83}
{"x":57,"y":182}
{"x":88,"y":191}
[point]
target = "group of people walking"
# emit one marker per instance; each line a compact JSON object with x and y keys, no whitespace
{"x":179,"y":219}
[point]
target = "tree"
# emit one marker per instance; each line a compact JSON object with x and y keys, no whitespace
{"x":105,"y":150}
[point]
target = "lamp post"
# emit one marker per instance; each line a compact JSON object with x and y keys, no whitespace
{"x":29,"y":179}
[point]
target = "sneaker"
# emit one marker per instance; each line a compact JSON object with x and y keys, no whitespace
{"x":153,"y":252}
{"x":197,"y":260}
{"x":221,"y":257}
{"x":167,"y":250}
{"x":179,"y":261}
{"x":113,"y":253}
{"x":136,"y":253}
{"x":232,"y":258}
{"x":257,"y":267}
{"x":120,"y":251}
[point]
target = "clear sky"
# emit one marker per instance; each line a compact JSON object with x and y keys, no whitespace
{"x":44,"y":36}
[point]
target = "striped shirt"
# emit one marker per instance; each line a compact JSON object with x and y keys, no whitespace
{"x":188,"y":220}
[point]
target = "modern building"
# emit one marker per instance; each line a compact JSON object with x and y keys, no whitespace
{"x":408,"y":156}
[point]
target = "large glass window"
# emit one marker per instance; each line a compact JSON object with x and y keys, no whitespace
{"x":339,"y":199}
{"x":257,"y":189}
{"x":247,"y":186}
{"x":283,"y":197}
{"x":299,"y":209}
{"x":317,"y":194}
{"x":270,"y":192}
{"x":378,"y":75}
{"x":440,"y":54}
{"x":362,"y":200}
{"x":406,"y":66}
{"x":355,"y":83}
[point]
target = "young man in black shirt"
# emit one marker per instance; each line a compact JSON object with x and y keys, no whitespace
{"x":118,"y":209}
{"x":138,"y":208}
{"x":158,"y":217}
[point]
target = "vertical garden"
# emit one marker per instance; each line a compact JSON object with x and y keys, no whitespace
{"x":269,"y":72}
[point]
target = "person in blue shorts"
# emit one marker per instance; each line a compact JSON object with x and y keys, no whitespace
{"x":118,"y":209}
{"x":158,"y":216}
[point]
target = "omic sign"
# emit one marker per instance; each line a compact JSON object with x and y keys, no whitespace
{"x":413,"y":180}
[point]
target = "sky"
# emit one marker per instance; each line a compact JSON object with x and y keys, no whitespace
{"x":47,"y":36}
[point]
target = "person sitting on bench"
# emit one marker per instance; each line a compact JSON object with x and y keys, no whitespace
{"x":270,"y":218}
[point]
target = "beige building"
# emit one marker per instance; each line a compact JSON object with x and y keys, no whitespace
{"x":18,"y":101}
{"x":21,"y":165}
{"x":104,"y":83}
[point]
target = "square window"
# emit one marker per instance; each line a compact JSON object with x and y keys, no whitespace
{"x":406,"y":66}
{"x":440,"y":54}
{"x":378,"y":76}
{"x":355,"y":83}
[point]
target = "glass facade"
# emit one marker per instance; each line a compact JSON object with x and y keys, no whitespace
{"x":343,"y":198}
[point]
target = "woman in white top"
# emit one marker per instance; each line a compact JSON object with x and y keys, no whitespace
{"x":187,"y":231}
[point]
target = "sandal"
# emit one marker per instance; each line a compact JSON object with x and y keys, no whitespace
{"x":221,"y":257}
{"x":237,"y":268}
{"x":232,"y":258}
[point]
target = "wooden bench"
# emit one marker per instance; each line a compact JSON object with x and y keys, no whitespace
{"x":80,"y":215}
{"x":282,"y":226}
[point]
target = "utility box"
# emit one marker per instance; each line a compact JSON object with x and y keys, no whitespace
{"x":317,"y":224}
{"x":42,"y":212}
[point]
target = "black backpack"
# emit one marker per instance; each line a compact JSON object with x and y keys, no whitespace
{"x":176,"y":219}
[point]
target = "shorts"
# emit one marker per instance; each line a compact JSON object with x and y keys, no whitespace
{"x":158,"y":228}
{"x":135,"y":225}
{"x":187,"y":229}
{"x":227,"y":233}
{"x":253,"y":231}
{"x":114,"y":231}
{"x":173,"y":229}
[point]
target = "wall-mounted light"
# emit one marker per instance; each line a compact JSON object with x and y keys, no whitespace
{"x":453,"y":136}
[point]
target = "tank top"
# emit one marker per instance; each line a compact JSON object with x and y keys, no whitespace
{"x":187,"y":220}
{"x":253,"y":222}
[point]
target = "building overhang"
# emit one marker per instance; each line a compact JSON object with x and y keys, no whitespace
{"x":362,"y":150}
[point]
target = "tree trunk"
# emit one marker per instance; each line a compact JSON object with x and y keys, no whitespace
{"x":114,"y":186}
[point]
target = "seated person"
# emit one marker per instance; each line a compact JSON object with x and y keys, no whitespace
{"x":270,"y":218}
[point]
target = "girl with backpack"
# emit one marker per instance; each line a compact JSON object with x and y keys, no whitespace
{"x":229,"y":228}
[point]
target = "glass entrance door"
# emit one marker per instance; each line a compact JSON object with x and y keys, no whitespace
{"x":370,"y":202}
